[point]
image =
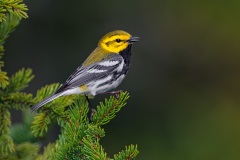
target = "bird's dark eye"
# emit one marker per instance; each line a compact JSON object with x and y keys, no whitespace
{"x":118,"y":40}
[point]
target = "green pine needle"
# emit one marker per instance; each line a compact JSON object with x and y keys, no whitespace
{"x":40,"y":124}
{"x":3,"y":79}
{"x":46,"y":91}
{"x":46,"y":152}
{"x":53,"y":110}
{"x":16,"y":7}
{"x":1,"y":55}
{"x":107,"y":111}
{"x":6,"y":27}
{"x":92,"y":150}
{"x":21,"y":132}
{"x":130,"y":153}
{"x":6,"y":142}
{"x":81,"y":139}
{"x":20,"y":80}
{"x":18,"y":100}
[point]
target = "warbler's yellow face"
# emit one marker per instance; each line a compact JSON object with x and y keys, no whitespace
{"x":115,"y":41}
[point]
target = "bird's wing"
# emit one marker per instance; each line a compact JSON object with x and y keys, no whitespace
{"x":100,"y":69}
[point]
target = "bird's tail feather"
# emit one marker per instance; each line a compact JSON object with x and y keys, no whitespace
{"x":46,"y":100}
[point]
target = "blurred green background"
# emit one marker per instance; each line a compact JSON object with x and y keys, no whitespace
{"x":184,"y":76}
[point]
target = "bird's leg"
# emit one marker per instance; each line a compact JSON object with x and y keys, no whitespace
{"x":90,"y":106}
{"x":116,"y":93}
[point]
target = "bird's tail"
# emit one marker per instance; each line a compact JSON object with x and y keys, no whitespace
{"x":46,"y":100}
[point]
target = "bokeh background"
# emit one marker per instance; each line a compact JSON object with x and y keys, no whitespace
{"x":184,"y":76}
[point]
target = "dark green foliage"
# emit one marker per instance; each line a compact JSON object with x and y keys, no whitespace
{"x":23,"y":151}
{"x":73,"y":129}
{"x":80,"y":137}
{"x":46,"y":153}
{"x":58,"y":105}
{"x":5,"y":29}
{"x":18,"y":100}
{"x":106,"y":112}
{"x":20,"y":80}
{"x":6,"y":142}
{"x":10,"y":97}
{"x":26,"y":150}
{"x":55,"y":109}
{"x":15,"y":7}
{"x":130,"y":153}
{"x":3,"y":79}
{"x":21,"y":132}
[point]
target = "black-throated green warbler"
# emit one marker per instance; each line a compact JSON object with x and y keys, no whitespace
{"x":103,"y":70}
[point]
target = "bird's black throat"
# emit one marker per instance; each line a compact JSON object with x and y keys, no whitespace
{"x":126,"y":54}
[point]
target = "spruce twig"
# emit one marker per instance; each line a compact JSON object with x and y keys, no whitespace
{"x":15,"y":7}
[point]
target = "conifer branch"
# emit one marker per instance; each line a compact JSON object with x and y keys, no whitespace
{"x":46,"y":152}
{"x":46,"y":91}
{"x":50,"y":111}
{"x":130,"y":153}
{"x":10,"y":11}
{"x":27,"y":150}
{"x":6,"y":27}
{"x":69,"y":144}
{"x":20,"y":80}
{"x":40,"y":124}
{"x":92,"y":150}
{"x":1,"y":55}
{"x":6,"y":142}
{"x":57,"y":106}
{"x":18,"y":100}
{"x":107,"y":111}
{"x":15,"y":7}
{"x":21,"y":132}
{"x":3,"y":79}
{"x":80,"y":138}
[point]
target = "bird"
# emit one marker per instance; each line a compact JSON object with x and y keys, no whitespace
{"x":103,"y":70}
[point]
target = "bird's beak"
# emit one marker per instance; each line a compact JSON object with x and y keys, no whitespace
{"x":133,"y":39}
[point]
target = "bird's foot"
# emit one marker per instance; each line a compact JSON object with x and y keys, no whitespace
{"x":115,"y":93}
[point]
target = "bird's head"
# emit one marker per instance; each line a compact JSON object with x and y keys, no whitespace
{"x":116,"y":41}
